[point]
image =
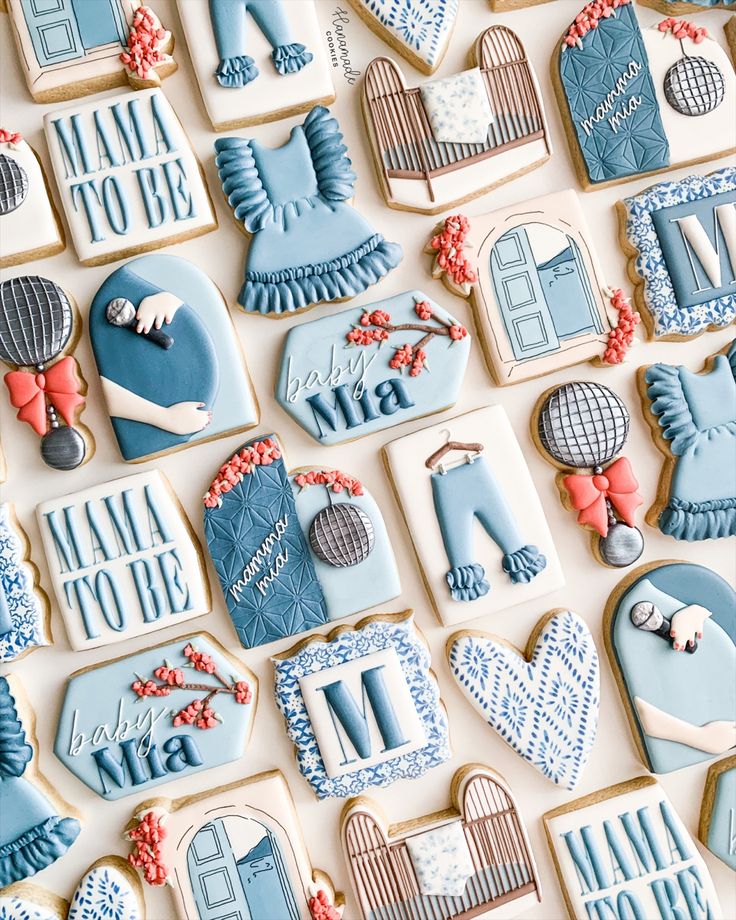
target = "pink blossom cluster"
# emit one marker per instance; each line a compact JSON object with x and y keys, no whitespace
{"x":622,"y":335}
{"x":148,"y":836}
{"x":10,"y":137}
{"x":199,"y":660}
{"x":143,"y":688}
{"x":449,"y":245}
{"x":260,"y":453}
{"x":589,"y":18}
{"x":243,"y":693}
{"x":322,"y":908}
{"x":197,"y":714}
{"x":681,"y":28}
{"x":423,"y":310}
{"x":174,"y":677}
{"x":144,"y":43}
{"x":413,"y":358}
{"x":333,"y":480}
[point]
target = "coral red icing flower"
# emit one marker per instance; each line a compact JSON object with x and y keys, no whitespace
{"x":199,"y":660}
{"x":450,"y":243}
{"x":260,"y":453}
{"x":458,"y":332}
{"x":622,"y":335}
{"x":321,"y":908}
{"x":334,"y":480}
{"x":147,"y":854}
{"x":589,"y":18}
{"x":423,"y":310}
{"x":144,"y":43}
{"x":243,"y":692}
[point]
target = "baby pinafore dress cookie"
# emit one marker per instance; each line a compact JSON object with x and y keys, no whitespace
{"x":308,"y":245}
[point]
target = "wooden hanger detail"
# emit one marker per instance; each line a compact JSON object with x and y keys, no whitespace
{"x":471,"y":448}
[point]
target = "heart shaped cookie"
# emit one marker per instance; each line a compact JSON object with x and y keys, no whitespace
{"x":543,"y":702}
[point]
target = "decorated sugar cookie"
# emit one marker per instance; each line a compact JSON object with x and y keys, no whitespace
{"x":294,"y":549}
{"x":539,"y":295}
{"x":680,"y":238}
{"x":542,"y":701}
{"x":717,"y":828}
{"x":343,"y":746}
{"x":367,"y":369}
{"x":473,"y":514}
{"x":687,"y":7}
{"x":37,"y":826}
{"x":68,"y":50}
{"x":158,"y":715}
{"x":29,"y":224}
{"x":123,"y":560}
{"x":692,"y":418}
{"x":257,"y":60}
{"x":24,"y":606}
{"x":641,"y":100}
{"x":473,"y":858}
{"x":236,"y":848}
{"x":627,"y":846}
{"x":419,"y":30}
{"x":501,"y":6}
{"x":582,"y":427}
{"x":39,"y":328}
{"x":456,"y":137}
{"x":308,"y":244}
{"x":670,"y":633}
{"x":127,"y":176}
{"x":170,"y":363}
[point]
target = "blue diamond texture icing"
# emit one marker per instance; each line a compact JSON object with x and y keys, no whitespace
{"x":423,"y":26}
{"x":602,"y":82}
{"x":546,"y":708}
{"x":104,"y":894}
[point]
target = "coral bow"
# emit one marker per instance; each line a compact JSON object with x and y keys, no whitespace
{"x":58,"y":384}
{"x":588,"y":495}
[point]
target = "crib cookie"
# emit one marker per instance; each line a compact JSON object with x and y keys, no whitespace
{"x":417,"y":30}
{"x":637,"y":101}
{"x":542,"y":701}
{"x":24,"y":606}
{"x":670,"y":633}
{"x":240,"y":846}
{"x":123,"y":560}
{"x":318,"y":684}
{"x":446,"y":468}
{"x":627,"y":846}
{"x":687,"y":7}
{"x":308,"y":245}
{"x":680,"y":239}
{"x":38,"y":826}
{"x":367,"y":369}
{"x":158,"y":715}
{"x":256,"y":60}
{"x":296,"y":549}
{"x":169,"y":359}
{"x":581,"y":427}
{"x":692,"y":417}
{"x":539,"y":296}
{"x":128,"y":178}
{"x":456,"y":137}
{"x":68,"y":50}
{"x":29,"y":224}
{"x":475,"y":855}
{"x":718,"y":812}
{"x":39,"y":329}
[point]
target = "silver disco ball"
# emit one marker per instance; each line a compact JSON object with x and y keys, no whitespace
{"x":342,"y":535}
{"x":35,"y":320}
{"x":13,"y":184}
{"x":694,"y":86}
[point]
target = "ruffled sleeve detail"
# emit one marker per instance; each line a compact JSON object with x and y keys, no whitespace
{"x":524,"y":564}
{"x":335,"y":177}
{"x":14,"y":751}
{"x":290,"y":58}
{"x":664,"y":390}
{"x":242,"y":184}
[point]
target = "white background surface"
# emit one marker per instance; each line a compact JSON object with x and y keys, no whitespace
{"x":221,"y":253}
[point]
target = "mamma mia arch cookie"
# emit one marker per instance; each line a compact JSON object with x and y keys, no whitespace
{"x":670,"y":634}
{"x":294,"y":550}
{"x":236,"y":848}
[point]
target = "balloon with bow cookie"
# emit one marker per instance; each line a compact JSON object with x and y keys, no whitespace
{"x":38,"y":324}
{"x":582,"y":427}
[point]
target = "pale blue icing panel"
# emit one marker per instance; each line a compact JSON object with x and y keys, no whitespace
{"x":722,"y":829}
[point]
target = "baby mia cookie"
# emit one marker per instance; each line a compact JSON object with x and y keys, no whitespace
{"x":471,"y":859}
{"x":169,"y":359}
{"x":256,"y":60}
{"x":692,"y":418}
{"x":123,"y":560}
{"x":72,"y":49}
{"x":445,"y":488}
{"x":637,"y":101}
{"x":718,"y":811}
{"x":370,"y":368}
{"x":38,"y":826}
{"x":29,"y":225}
{"x":237,"y":848}
{"x":542,"y":701}
{"x":294,"y":550}
{"x":624,"y":852}
{"x":39,"y":328}
{"x":456,"y":137}
{"x":308,"y":244}
{"x":539,"y":296}
{"x":127,"y":176}
{"x":680,"y":238}
{"x":670,"y":633}
{"x":158,"y":715}
{"x":400,"y":731}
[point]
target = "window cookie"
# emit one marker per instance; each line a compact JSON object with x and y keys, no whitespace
{"x":638,"y":101}
{"x":718,"y":811}
{"x":457,"y":137}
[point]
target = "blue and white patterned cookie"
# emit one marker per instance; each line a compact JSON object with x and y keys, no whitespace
{"x":23,"y":605}
{"x":107,"y":890}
